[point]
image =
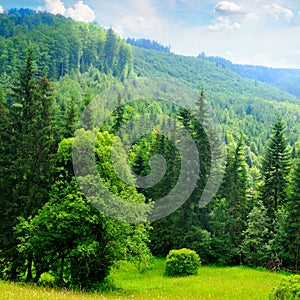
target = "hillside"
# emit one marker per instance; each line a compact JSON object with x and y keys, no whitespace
{"x":285,"y":79}
{"x":61,"y":45}
{"x":242,"y":105}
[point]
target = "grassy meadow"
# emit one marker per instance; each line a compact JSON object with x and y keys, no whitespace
{"x":210,"y":283}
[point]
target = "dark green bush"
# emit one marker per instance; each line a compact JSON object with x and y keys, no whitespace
{"x":182,"y":262}
{"x":289,"y":289}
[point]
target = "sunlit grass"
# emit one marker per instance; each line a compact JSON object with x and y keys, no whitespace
{"x":210,"y":283}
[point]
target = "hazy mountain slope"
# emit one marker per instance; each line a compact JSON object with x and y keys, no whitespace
{"x":285,"y":79}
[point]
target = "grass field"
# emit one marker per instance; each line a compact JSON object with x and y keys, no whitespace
{"x":210,"y":283}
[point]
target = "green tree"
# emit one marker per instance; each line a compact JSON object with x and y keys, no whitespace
{"x":276,"y":166}
{"x":73,"y":240}
{"x":293,"y":221}
{"x":254,"y":247}
{"x":220,"y":220}
{"x":111,"y":50}
{"x":234,"y":190}
{"x":32,"y":147}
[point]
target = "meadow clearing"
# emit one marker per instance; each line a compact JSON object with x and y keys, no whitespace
{"x":211,"y":283}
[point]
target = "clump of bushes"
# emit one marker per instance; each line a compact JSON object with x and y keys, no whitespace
{"x":289,"y":289}
{"x":182,"y":262}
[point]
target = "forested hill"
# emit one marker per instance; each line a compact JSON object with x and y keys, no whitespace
{"x":286,"y":79}
{"x":61,"y":45}
{"x":241,"y":104}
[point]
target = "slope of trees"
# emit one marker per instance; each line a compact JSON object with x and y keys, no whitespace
{"x":240,"y":104}
{"x":61,"y":45}
{"x":285,"y":79}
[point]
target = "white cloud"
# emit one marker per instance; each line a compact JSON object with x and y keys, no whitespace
{"x":81,"y":12}
{"x":135,"y":18}
{"x":55,"y":7}
{"x":223,"y":23}
{"x":148,"y":27}
{"x":277,"y":11}
{"x":226,"y":7}
{"x":1,"y":9}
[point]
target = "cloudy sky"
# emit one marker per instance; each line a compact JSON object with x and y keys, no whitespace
{"x":259,"y":32}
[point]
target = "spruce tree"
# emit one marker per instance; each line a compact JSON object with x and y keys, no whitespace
{"x":234,"y":190}
{"x":30,"y":148}
{"x":276,"y":166}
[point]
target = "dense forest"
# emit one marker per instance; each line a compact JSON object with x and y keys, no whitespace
{"x":286,"y":79}
{"x":148,"y":44}
{"x":51,"y":71}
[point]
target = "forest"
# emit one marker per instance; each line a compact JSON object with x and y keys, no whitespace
{"x":51,"y":71}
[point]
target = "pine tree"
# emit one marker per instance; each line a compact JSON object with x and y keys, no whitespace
{"x":276,"y":166}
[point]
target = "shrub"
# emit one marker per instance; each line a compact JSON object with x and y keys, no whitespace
{"x":289,"y":289}
{"x":182,"y":262}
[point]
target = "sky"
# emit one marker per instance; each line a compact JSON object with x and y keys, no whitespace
{"x":256,"y":32}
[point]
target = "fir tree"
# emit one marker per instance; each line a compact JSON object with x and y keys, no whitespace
{"x":276,"y":167}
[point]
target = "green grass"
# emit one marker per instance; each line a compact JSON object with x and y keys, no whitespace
{"x":210,"y":283}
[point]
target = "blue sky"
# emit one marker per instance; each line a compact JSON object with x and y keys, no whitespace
{"x":258,"y":32}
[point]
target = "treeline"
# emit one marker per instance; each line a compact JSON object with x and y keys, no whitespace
{"x":253,"y":219}
{"x":61,"y":44}
{"x":148,"y":44}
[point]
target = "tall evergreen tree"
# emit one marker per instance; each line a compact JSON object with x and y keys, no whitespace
{"x":30,"y":165}
{"x":276,"y":166}
{"x":111,"y":50}
{"x":234,"y":190}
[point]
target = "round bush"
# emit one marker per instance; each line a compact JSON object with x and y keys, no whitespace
{"x":289,"y":289}
{"x":182,"y":262}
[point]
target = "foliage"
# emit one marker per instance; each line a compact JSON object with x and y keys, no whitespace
{"x":240,"y":104}
{"x":254,"y":247}
{"x":182,"y":262}
{"x":276,"y":167}
{"x":28,"y":154}
{"x":48,"y":226}
{"x":61,"y":45}
{"x":289,"y":289}
{"x":235,"y":204}
{"x":72,"y":239}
